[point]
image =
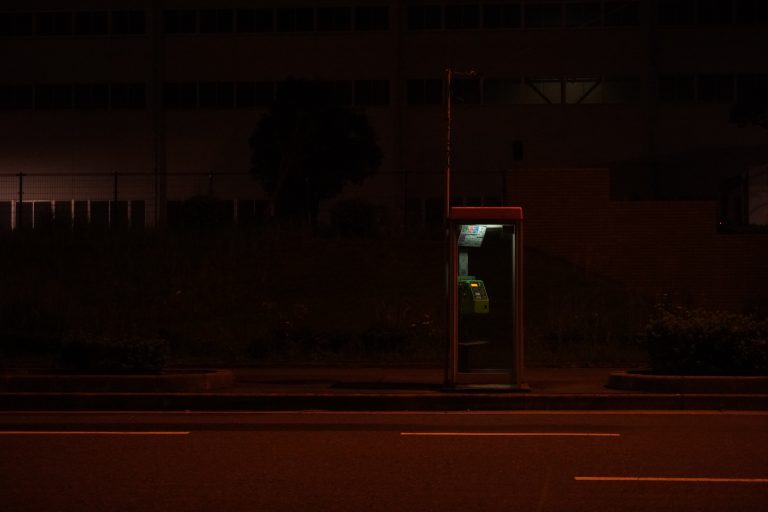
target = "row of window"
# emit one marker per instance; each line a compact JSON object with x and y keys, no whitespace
{"x":713,"y":88}
{"x":86,"y":23}
{"x":469,"y":91}
{"x":428,"y":16}
{"x":179,"y":95}
{"x":116,"y":96}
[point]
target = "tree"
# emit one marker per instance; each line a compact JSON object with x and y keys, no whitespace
{"x":306,"y":148}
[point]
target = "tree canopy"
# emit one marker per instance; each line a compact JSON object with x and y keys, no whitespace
{"x":307,"y":147}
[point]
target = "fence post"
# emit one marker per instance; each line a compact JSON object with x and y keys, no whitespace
{"x":113,"y":208}
{"x":18,"y":204}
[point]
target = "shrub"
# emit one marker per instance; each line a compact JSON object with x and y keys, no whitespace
{"x":354,"y":218}
{"x":700,"y":342}
{"x":130,"y":354}
{"x":28,"y":329}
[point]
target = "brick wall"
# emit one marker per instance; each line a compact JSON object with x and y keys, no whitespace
{"x":660,"y":248}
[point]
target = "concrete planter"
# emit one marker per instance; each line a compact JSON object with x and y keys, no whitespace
{"x":687,"y":384}
{"x":171,"y":381}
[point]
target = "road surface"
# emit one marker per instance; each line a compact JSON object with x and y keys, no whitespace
{"x":507,"y":461}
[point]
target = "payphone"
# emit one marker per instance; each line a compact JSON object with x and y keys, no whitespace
{"x":485,"y":324}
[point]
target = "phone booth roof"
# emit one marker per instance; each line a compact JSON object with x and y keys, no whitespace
{"x":486,"y":213}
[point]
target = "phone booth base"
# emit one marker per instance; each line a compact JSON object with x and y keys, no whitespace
{"x":485,"y":301}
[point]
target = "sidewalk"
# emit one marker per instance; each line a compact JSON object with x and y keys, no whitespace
{"x":386,"y":389}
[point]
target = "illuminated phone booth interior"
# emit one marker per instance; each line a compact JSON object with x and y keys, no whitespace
{"x":485,"y":299}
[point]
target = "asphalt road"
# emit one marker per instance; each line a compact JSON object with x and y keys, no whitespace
{"x":518,"y":461}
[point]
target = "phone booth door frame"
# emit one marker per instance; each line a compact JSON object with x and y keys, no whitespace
{"x":511,"y":378}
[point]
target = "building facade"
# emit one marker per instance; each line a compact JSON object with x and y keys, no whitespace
{"x":109,"y":111}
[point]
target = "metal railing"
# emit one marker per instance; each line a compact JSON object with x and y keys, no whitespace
{"x":70,"y":200}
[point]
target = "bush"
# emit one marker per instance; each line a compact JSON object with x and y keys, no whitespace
{"x":700,"y":342}
{"x":28,"y":329}
{"x":354,"y":218}
{"x":131,"y":354}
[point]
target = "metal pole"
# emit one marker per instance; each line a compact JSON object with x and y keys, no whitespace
{"x":158,"y":118}
{"x":450,"y":364}
{"x":448,"y":80}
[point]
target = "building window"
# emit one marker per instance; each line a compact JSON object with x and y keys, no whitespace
{"x":372,"y":17}
{"x":425,"y":17}
{"x":751,"y":12}
{"x":677,"y":89}
{"x":180,"y":95}
{"x":465,"y":91}
{"x":752,"y":88}
{"x":216,"y":21}
{"x":91,"y":23}
{"x":127,"y":96}
{"x":91,"y":96}
{"x":715,"y":88}
{"x":621,"y":14}
{"x":371,"y":92}
{"x":128,"y":22}
{"x":16,"y":24}
{"x":506,"y":15}
{"x":583,"y":14}
{"x":502,"y":91}
{"x":713,"y":12}
{"x":543,"y":15}
{"x":677,"y":12}
{"x":255,"y":20}
{"x":424,"y":92}
{"x":216,"y":95}
{"x":53,"y":97}
{"x":334,"y":18}
{"x":462,"y":16}
{"x":296,"y":19}
{"x":180,"y":21}
{"x":622,"y":89}
{"x":54,"y":24}
{"x":542,"y":91}
{"x":17,"y":97}
{"x":336,"y":92}
{"x":584,"y":90}
{"x":254,"y":94}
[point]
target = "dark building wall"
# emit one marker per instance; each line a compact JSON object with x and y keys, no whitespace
{"x":670,"y":250}
{"x":653,"y":144}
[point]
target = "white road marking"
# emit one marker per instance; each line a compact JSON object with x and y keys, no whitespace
{"x":669,"y":479}
{"x":512,"y":434}
{"x":90,"y":433}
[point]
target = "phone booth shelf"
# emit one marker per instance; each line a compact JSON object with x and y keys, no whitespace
{"x":485,"y":298}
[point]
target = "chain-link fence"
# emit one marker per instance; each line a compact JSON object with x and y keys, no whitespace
{"x":412,"y":200}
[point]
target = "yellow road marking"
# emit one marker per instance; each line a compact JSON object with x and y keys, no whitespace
{"x":512,"y":434}
{"x":668,"y":479}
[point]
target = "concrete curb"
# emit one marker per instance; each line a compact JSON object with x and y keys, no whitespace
{"x":170,"y":381}
{"x":688,"y":384}
{"x":374,"y":402}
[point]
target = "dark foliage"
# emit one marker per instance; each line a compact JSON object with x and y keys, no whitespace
{"x":750,"y":113}
{"x":306,"y":148}
{"x":699,"y":342}
{"x":354,"y":218}
{"x":94,"y":353}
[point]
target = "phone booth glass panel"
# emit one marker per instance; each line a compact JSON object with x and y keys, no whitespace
{"x":485,"y":297}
